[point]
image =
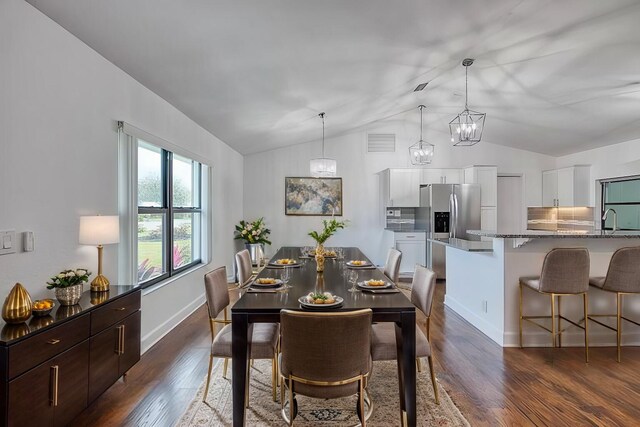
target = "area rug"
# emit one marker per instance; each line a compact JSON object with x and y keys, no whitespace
{"x":263,"y":411}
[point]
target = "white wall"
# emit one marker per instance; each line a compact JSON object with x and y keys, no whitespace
{"x":59,"y":103}
{"x":265,"y":173}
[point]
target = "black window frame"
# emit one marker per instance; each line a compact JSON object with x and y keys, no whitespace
{"x":167,"y":210}
{"x":603,"y":203}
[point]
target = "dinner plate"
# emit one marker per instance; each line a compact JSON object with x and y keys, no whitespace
{"x":303,"y":302}
{"x":257,"y":284}
{"x":366,"y":264}
{"x":276,"y":264}
{"x":365,"y":285}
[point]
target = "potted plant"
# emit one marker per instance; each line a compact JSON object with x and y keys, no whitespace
{"x":255,"y":235}
{"x":68,"y":285}
{"x":330,"y":228}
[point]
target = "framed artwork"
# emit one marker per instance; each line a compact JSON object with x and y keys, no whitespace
{"x":313,"y":196}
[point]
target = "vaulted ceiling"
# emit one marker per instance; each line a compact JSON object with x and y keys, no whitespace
{"x":555,"y":76}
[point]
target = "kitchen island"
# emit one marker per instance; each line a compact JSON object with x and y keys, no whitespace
{"x":482,"y":285}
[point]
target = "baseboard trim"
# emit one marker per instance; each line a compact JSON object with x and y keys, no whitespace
{"x":168,"y":325}
{"x":477,"y":322}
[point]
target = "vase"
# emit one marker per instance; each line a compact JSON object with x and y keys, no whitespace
{"x":320,"y":258}
{"x":17,"y":306}
{"x":256,"y":252}
{"x":69,"y":295}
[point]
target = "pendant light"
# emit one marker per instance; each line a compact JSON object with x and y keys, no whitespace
{"x":466,"y":129}
{"x":323,"y":166}
{"x":421,"y":152}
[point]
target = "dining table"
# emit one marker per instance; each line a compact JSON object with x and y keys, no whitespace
{"x":256,"y":307}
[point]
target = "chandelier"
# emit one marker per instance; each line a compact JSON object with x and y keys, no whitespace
{"x":323,"y":166}
{"x":466,"y":128}
{"x":421,"y":152}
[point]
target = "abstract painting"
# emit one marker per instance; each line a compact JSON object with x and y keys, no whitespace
{"x":313,"y":196}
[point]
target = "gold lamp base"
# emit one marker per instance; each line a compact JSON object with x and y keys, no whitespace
{"x":100,"y":284}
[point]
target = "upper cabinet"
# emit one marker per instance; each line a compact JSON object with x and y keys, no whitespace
{"x":440,"y":176}
{"x":401,"y":187}
{"x":487,"y":178}
{"x":566,"y":186}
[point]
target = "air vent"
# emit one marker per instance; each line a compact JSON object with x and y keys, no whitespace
{"x":381,"y":142}
{"x":420,"y":87}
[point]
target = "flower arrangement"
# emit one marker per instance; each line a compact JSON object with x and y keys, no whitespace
{"x":253,"y":232}
{"x":67,"y":278}
{"x":330,"y":228}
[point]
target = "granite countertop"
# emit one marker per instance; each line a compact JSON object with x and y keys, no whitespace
{"x":405,"y":230}
{"x":531,"y":234}
{"x":465,"y":245}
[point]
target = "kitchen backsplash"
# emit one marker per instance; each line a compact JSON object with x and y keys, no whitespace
{"x":560,"y":218}
{"x":401,"y":218}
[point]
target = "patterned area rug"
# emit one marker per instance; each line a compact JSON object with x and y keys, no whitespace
{"x":263,"y":411}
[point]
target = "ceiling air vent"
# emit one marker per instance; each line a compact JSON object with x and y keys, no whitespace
{"x":381,"y":143}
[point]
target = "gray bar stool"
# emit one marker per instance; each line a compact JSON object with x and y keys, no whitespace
{"x":623,"y":278}
{"x":565,"y":271}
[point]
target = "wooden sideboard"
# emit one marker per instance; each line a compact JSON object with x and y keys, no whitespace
{"x":53,"y":367}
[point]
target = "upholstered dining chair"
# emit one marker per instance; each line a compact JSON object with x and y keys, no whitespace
{"x":264,"y":341}
{"x":383,"y":335}
{"x":392,"y":266}
{"x":565,"y":271}
{"x":244,"y":268}
{"x":331,"y":362}
{"x":623,"y":278}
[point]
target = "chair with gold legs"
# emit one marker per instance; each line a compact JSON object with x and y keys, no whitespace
{"x":623,"y":278}
{"x":383,"y":335}
{"x":264,"y":341}
{"x":244,"y":268}
{"x":565,"y":272}
{"x":325,"y":355}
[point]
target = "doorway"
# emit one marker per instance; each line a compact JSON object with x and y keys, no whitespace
{"x":510,"y":215}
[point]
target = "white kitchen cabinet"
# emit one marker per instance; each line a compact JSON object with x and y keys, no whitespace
{"x":401,"y":187}
{"x":489,"y":218}
{"x":566,"y":186}
{"x":452,"y":176}
{"x":440,"y":176}
{"x":487,"y":177}
{"x":414,"y":251}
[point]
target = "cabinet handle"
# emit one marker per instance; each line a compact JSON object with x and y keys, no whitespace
{"x":53,"y":400}
{"x":122,"y":340}
{"x":53,"y":341}
{"x":120,"y":309}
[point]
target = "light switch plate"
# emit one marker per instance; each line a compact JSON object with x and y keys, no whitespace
{"x":7,"y":242}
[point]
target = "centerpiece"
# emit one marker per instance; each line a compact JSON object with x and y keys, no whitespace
{"x":68,"y":285}
{"x":255,"y":235}
{"x":330,"y":228}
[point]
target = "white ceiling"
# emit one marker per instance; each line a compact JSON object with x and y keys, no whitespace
{"x":554,"y":76}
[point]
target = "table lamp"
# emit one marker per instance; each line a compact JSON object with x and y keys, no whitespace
{"x":99,"y":230}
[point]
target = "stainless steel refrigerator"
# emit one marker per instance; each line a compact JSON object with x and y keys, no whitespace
{"x":447,"y":211}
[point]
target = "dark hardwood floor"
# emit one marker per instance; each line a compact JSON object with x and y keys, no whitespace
{"x":491,"y":385}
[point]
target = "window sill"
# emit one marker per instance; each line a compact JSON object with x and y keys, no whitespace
{"x":156,"y":286}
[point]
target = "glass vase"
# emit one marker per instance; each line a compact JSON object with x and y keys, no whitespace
{"x":320,"y":258}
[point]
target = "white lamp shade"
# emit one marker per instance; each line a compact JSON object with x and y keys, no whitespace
{"x":323,"y":167}
{"x":99,"y":230}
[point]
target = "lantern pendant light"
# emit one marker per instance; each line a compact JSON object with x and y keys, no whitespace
{"x":323,"y":166}
{"x":466,"y":129}
{"x":421,"y":152}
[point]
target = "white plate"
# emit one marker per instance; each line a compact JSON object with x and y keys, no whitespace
{"x":350,"y":264}
{"x":274,"y":263}
{"x":257,"y":284}
{"x":365,"y":285}
{"x":303,"y":301}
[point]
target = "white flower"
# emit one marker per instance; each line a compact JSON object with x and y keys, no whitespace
{"x":254,"y":232}
{"x":71,"y":274}
{"x":244,"y":231}
{"x":80,"y":272}
{"x":61,"y":276}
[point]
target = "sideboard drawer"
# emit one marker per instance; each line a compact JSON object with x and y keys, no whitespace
{"x":43,"y":346}
{"x":103,"y":317}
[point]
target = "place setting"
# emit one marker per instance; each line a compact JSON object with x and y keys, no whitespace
{"x":284,"y":263}
{"x":376,"y":286}
{"x":320,"y":301}
{"x":360,"y":264}
{"x":271,"y":284}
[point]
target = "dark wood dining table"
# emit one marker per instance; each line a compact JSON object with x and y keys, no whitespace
{"x":265,"y":307}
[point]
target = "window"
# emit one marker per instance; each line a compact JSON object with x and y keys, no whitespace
{"x":169,"y":194}
{"x":623,"y":196}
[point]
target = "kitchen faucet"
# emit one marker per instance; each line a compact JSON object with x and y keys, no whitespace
{"x":615,"y":219}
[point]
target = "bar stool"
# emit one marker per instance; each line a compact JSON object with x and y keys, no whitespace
{"x":623,"y":278}
{"x":565,"y":272}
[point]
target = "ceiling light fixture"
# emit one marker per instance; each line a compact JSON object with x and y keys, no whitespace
{"x":323,"y":166}
{"x":466,"y":129}
{"x":421,"y":152}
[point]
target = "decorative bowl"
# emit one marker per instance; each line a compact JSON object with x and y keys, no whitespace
{"x":41,"y":312}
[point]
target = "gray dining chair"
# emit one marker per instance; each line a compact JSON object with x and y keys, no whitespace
{"x":392,"y":266}
{"x":264,"y":341}
{"x":565,"y":272}
{"x":383,"y":335}
{"x":333,"y":361}
{"x":244,"y":268}
{"x":623,"y":278}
